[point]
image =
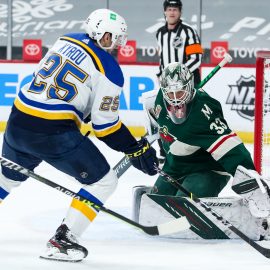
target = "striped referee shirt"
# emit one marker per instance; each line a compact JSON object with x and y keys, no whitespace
{"x":181,"y":44}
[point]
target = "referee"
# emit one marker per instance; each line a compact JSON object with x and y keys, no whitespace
{"x":178,"y":42}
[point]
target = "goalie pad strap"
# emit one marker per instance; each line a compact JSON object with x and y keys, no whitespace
{"x":245,"y":187}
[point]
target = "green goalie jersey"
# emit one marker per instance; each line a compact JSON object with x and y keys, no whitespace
{"x":203,"y":141}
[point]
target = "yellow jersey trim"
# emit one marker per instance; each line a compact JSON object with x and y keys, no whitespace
{"x":89,"y":50}
{"x":108,"y":131}
{"x":47,"y":115}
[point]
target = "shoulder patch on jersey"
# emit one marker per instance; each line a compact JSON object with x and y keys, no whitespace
{"x":165,"y":134}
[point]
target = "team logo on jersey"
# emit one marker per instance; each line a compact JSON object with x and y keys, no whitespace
{"x":177,"y":42}
{"x":164,"y":133}
{"x":242,"y":96}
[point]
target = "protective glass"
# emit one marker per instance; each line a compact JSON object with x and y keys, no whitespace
{"x":119,"y":40}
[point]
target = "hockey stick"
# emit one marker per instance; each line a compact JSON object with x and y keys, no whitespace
{"x":121,"y":167}
{"x":162,"y":229}
{"x":264,"y":251}
{"x":227,"y":59}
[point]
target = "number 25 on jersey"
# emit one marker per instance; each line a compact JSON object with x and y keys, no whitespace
{"x":58,"y":72}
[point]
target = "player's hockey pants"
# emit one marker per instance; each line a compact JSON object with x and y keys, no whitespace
{"x":69,"y":152}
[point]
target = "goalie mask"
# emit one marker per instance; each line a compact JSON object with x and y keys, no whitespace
{"x":177,"y":86}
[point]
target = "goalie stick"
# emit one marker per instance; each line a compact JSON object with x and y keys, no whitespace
{"x":264,"y":251}
{"x":162,"y":229}
{"x":121,"y":167}
{"x":227,"y":59}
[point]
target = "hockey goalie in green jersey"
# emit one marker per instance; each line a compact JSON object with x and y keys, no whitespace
{"x":202,"y":152}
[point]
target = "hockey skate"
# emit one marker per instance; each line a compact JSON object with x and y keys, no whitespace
{"x":63,"y":246}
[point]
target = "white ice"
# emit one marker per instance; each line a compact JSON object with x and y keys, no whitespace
{"x":32,"y":212}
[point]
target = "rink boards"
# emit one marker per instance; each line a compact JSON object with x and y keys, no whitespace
{"x":233,"y":86}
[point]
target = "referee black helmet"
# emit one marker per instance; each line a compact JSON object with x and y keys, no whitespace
{"x":172,"y":3}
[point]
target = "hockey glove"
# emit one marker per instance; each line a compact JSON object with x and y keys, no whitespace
{"x":143,"y":157}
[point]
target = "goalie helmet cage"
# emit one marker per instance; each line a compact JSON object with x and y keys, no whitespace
{"x":262,"y":114}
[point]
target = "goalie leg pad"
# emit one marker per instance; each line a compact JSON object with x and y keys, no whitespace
{"x":156,"y":209}
{"x":137,"y":193}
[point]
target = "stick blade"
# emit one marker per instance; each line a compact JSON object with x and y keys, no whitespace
{"x":173,"y":226}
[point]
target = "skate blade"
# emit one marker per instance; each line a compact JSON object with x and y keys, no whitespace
{"x":60,"y":259}
{"x":56,"y":255}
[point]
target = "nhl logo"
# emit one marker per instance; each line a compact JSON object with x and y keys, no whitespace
{"x":177,"y":42}
{"x":242,"y":97}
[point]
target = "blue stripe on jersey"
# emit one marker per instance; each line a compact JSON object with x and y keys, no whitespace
{"x":49,"y":107}
{"x":112,"y":69}
{"x":3,"y":193}
{"x":104,"y":126}
{"x":89,"y":196}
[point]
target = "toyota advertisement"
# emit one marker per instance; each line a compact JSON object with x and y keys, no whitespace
{"x":244,"y":28}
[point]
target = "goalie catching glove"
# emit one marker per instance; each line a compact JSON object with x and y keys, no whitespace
{"x":143,"y":157}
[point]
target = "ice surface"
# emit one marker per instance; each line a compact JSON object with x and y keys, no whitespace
{"x":30,"y":215}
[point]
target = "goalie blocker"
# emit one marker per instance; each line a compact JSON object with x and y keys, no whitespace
{"x":151,"y":209}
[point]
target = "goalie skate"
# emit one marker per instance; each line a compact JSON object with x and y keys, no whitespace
{"x":63,"y":246}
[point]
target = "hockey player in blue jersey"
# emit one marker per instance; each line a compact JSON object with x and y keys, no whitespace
{"x":77,"y":80}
